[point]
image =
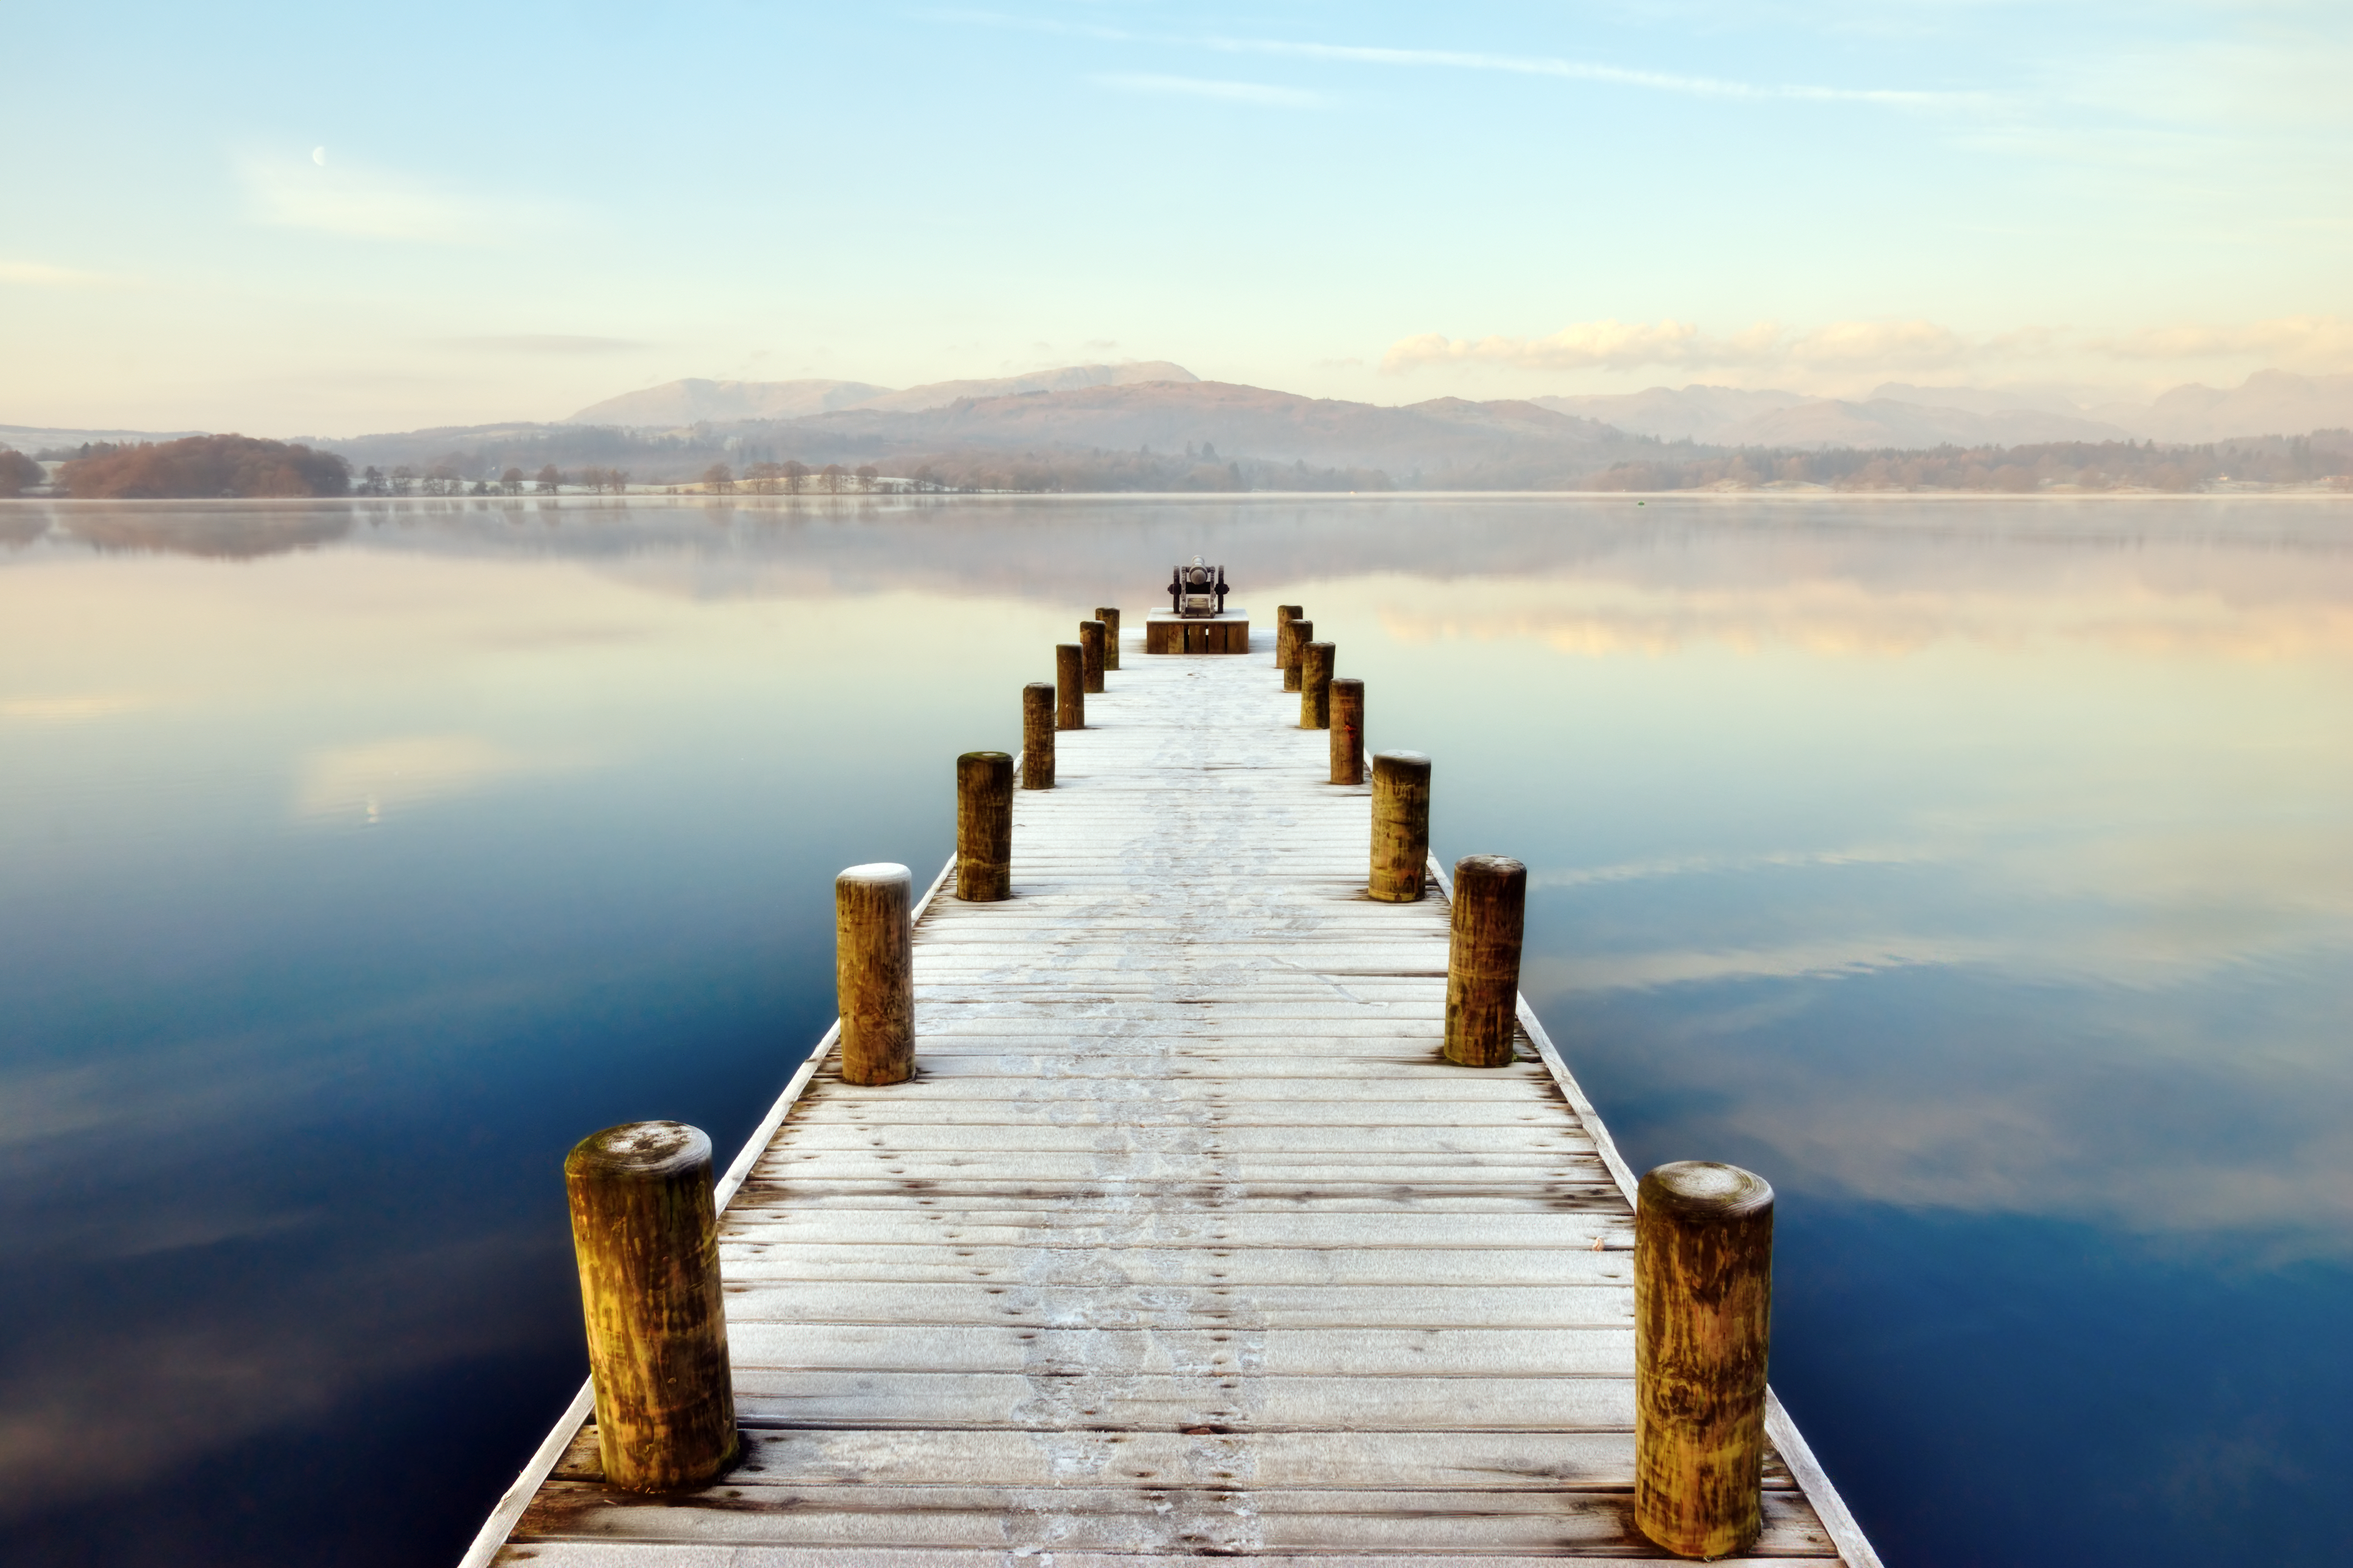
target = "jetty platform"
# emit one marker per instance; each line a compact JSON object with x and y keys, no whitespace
{"x":1184,"y":1241}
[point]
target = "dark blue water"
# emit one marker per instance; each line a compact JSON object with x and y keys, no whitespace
{"x":1981,"y":873}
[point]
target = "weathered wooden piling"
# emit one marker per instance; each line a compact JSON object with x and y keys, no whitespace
{"x":1293,"y":635}
{"x":1347,"y":715}
{"x":1315,"y":662}
{"x":983,"y":826}
{"x":874,"y":972}
{"x":1482,"y":961}
{"x":1703,"y":1318}
{"x":1110,"y":618}
{"x":1037,"y":736}
{"x":1091,"y":654}
{"x":644,"y":1233}
{"x":1070,"y":688}
{"x":1400,"y":826}
{"x":1284,"y":614}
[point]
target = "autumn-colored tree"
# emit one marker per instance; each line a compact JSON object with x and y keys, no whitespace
{"x":719,"y":479}
{"x":512,"y":482}
{"x":17,"y":471}
{"x":206,"y":465}
{"x":549,"y":480}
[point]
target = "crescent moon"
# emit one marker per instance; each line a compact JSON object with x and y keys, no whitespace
{"x":319,"y":156}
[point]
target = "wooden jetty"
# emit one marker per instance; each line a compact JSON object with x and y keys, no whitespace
{"x":1184,"y":1241}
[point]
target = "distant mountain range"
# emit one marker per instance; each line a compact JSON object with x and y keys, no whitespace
{"x":679,"y":404}
{"x":1124,"y":426}
{"x":2269,"y":403}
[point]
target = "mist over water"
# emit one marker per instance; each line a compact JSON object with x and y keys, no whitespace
{"x":1979,"y":872}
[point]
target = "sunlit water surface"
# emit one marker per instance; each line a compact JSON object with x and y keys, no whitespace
{"x":1981,"y":873}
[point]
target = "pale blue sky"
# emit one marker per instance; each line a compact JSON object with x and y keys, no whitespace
{"x":523,"y":208}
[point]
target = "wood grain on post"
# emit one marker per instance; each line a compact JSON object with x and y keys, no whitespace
{"x":1110,"y":618}
{"x":1037,"y":736}
{"x":983,"y":826}
{"x":1070,"y":688}
{"x":1284,"y":614}
{"x":1348,"y":716}
{"x":1288,"y":641}
{"x":1400,"y":826}
{"x":874,"y":972}
{"x":645,"y":1234}
{"x":1483,"y":966}
{"x":1703,"y":1318}
{"x":1091,"y":654}
{"x":1315,"y":662}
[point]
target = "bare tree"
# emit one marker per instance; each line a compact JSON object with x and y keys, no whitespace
{"x":549,"y":480}
{"x":404,"y":480}
{"x":867,"y":474}
{"x":512,"y":482}
{"x":830,"y":476}
{"x":764,"y":476}
{"x":796,"y":477}
{"x":718,"y":480}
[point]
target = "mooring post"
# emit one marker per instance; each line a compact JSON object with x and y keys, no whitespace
{"x":1315,"y":662}
{"x":874,"y":972}
{"x":1110,"y":618}
{"x":983,"y":826}
{"x":1284,"y":614}
{"x":1288,"y":641}
{"x":1483,"y":966}
{"x":1400,"y":825}
{"x":645,"y":1234}
{"x":1090,"y":653}
{"x":1070,"y":688}
{"x":1037,"y":736}
{"x":1348,"y":730}
{"x":1703,"y":1318}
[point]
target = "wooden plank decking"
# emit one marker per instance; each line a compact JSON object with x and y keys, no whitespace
{"x":1183,"y":1241}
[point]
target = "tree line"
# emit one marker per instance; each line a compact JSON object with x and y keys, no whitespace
{"x":203,"y":466}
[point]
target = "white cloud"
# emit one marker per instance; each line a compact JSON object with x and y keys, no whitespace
{"x":1232,"y":91}
{"x":2321,"y":341}
{"x":1610,"y":344}
{"x":375,"y":204}
{"x":40,"y":275}
{"x":1585,"y":71}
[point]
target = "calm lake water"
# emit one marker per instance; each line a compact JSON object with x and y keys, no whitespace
{"x":1981,"y":873}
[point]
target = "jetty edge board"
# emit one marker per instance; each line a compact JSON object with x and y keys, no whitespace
{"x":1183,"y":1241}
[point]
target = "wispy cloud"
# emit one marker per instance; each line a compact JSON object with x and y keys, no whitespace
{"x":1610,"y":344}
{"x":378,"y":204}
{"x":41,"y":275}
{"x":2326,"y":340}
{"x":1587,"y":70}
{"x":1230,"y":92}
{"x":546,"y":343}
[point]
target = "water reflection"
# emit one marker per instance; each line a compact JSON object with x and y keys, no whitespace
{"x":1977,"y":871}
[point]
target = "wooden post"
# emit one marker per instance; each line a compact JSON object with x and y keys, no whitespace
{"x":1482,"y":967}
{"x":1703,"y":1318}
{"x":1110,"y":618}
{"x":646,"y":1236}
{"x":1091,"y":654}
{"x":1037,"y":736}
{"x":1070,"y":688}
{"x":1348,"y":730}
{"x":983,"y":826}
{"x":874,"y":972}
{"x":1288,"y":641}
{"x":1316,"y":661}
{"x":1400,"y":825}
{"x":1284,"y":614}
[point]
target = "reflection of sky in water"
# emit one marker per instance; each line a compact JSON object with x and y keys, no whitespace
{"x":1978,"y":872}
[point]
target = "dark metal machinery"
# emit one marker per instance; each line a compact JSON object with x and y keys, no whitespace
{"x":1197,"y":590}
